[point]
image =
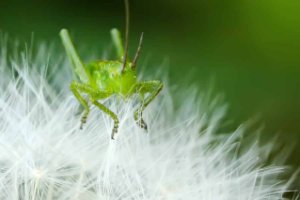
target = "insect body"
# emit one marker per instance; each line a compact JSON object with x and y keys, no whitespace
{"x":102,"y":79}
{"x":108,"y":76}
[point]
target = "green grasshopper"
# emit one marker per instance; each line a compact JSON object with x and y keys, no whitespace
{"x":102,"y":79}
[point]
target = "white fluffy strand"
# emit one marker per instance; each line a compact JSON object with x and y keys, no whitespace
{"x":44,"y":155}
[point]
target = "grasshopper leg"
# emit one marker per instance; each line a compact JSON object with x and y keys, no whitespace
{"x":117,"y":40}
{"x":152,"y":87}
{"x":76,"y":88}
{"x":111,"y":114}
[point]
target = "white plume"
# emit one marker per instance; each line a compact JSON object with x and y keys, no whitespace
{"x":44,"y":155}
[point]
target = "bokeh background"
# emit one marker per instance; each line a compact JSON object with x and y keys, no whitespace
{"x":250,"y":48}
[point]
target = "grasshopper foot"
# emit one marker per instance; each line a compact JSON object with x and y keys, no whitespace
{"x":115,"y":130}
{"x":143,"y":124}
{"x":140,"y":121}
{"x":83,"y":119}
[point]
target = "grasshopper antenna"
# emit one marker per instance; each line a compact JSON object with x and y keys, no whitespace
{"x":127,"y":34}
{"x":137,"y":51}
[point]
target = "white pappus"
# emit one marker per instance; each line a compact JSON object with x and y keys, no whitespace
{"x":44,"y":155}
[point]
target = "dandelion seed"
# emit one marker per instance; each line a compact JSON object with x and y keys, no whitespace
{"x":44,"y":155}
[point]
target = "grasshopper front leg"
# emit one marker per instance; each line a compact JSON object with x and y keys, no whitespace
{"x":78,"y":88}
{"x":110,"y":113}
{"x":152,"y":87}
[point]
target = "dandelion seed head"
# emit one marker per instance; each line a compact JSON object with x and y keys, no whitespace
{"x":44,"y":155}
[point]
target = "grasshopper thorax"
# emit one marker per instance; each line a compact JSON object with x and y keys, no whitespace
{"x":110,"y":76}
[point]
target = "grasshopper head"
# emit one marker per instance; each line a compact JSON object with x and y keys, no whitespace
{"x":124,"y":81}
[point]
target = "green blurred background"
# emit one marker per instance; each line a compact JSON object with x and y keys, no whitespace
{"x":250,"y":47}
